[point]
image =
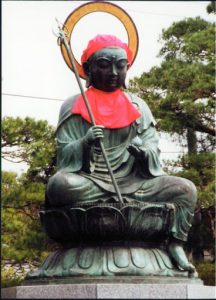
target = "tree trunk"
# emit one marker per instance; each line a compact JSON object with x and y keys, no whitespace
{"x":191,"y":141}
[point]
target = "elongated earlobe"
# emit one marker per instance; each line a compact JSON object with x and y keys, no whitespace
{"x":88,"y":74}
{"x":88,"y":81}
{"x":124,"y":85}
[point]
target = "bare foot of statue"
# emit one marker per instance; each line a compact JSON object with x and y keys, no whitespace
{"x":177,"y":252}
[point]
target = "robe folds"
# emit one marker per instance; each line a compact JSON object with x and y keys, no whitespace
{"x":82,"y":175}
{"x":71,"y":149}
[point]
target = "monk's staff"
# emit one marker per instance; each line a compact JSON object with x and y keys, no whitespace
{"x":63,"y":40}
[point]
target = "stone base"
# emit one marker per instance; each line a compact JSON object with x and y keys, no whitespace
{"x":98,"y":288}
{"x":112,"y":280}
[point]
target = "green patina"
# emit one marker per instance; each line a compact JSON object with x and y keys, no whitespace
{"x":82,"y":211}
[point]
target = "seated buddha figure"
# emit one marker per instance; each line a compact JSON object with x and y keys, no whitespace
{"x":126,"y":126}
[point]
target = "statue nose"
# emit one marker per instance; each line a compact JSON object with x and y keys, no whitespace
{"x":114,"y":70}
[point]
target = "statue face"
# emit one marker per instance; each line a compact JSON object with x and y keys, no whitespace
{"x":107,"y":68}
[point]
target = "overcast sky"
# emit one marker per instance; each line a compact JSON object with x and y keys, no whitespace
{"x":32,"y":64}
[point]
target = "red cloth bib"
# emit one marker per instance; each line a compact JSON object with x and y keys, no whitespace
{"x":110,"y":109}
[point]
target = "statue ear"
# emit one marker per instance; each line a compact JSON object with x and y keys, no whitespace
{"x":86,"y":67}
{"x":124,"y":84}
{"x":88,"y":81}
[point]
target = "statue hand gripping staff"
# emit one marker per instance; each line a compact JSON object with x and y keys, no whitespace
{"x":111,"y":200}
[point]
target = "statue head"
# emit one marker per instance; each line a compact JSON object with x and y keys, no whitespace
{"x":105,"y":62}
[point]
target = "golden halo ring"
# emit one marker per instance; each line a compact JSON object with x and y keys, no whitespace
{"x":83,"y":10}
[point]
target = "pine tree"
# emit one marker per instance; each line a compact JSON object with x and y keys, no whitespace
{"x":23,"y":239}
{"x":181,"y":95}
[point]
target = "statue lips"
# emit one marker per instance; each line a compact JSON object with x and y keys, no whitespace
{"x":113,"y":82}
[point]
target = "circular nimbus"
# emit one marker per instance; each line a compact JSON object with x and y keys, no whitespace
{"x":91,"y":7}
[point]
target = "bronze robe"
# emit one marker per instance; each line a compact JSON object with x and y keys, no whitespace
{"x":83,"y":176}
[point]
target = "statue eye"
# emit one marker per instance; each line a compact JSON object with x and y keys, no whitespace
{"x":121,"y":64}
{"x":103,"y":63}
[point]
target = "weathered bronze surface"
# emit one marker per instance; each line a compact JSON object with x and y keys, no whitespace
{"x":107,"y":240}
{"x":100,"y":260}
{"x":108,"y":222}
{"x":141,"y":232}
